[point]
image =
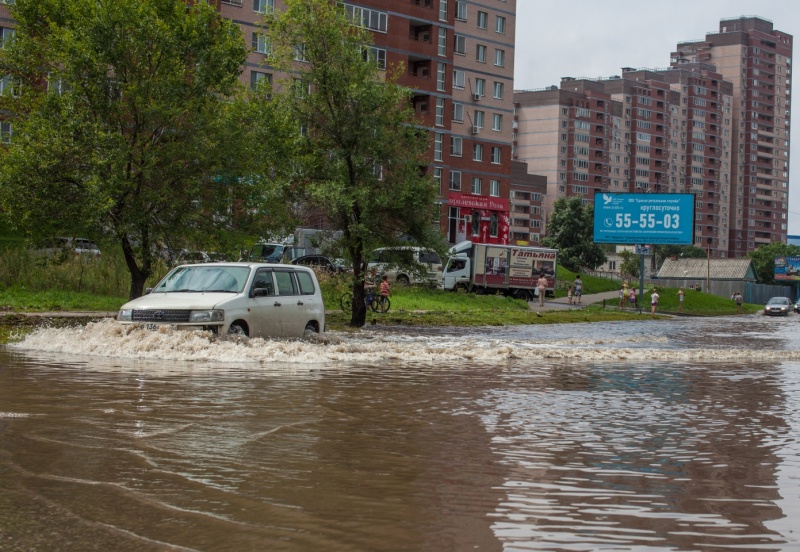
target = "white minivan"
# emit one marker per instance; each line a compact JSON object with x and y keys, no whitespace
{"x":250,"y":299}
{"x":407,"y":265}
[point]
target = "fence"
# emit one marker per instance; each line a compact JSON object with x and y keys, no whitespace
{"x":752,"y":292}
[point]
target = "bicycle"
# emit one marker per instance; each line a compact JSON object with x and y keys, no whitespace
{"x":378,"y":303}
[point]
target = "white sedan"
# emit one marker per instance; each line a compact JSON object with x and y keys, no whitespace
{"x":250,"y":299}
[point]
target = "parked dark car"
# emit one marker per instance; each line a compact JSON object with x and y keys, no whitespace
{"x":320,"y":262}
{"x":778,"y":306}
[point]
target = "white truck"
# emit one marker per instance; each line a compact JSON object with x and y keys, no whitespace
{"x":508,"y":269}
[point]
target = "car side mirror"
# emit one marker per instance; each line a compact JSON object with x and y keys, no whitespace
{"x":261,"y":292}
{"x":147,"y":291}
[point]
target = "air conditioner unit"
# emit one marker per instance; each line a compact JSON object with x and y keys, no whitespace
{"x":475,"y":130}
{"x":476,"y":97}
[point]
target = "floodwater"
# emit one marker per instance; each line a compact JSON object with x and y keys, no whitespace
{"x":649,"y":435}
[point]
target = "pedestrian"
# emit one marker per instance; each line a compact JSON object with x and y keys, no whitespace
{"x":681,"y":295}
{"x":385,"y":292}
{"x":570,"y":291}
{"x":653,"y":301}
{"x":578,"y":283}
{"x":739,"y":300}
{"x":621,"y":297}
{"x":541,"y":285}
{"x":632,"y":298}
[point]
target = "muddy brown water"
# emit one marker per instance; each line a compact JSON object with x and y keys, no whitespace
{"x":652,"y":435}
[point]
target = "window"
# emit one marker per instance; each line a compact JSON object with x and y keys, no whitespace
{"x":264,"y":6}
{"x":261,"y":44}
{"x":461,"y":10}
{"x":479,"y":116}
{"x":483,"y":18}
{"x":460,"y":45}
{"x":498,"y":90}
{"x":499,"y":57}
{"x":438,"y":141}
{"x":6,"y":35}
{"x":442,"y":42}
{"x":497,"y":122}
{"x":494,"y":188}
{"x":493,"y":225}
{"x":459,"y":79}
{"x":437,"y":177}
{"x":477,"y":152}
{"x":500,"y":25}
{"x":456,"y":146}
{"x":300,"y":53}
{"x":440,"y":76}
{"x":5,"y":132}
{"x":480,"y":87}
{"x":442,"y":10}
{"x":258,"y":79}
{"x":439,"y":111}
{"x":373,"y":20}
{"x":376,"y":55}
{"x":496,"y":154}
{"x":458,"y":112}
{"x":480,"y":53}
{"x":455,"y":181}
{"x":477,"y":185}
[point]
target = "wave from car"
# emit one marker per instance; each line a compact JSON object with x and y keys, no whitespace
{"x":249,"y":299}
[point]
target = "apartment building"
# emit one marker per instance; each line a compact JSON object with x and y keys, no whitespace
{"x":757,"y":60}
{"x":6,"y":33}
{"x":458,"y":60}
{"x":681,"y":129}
{"x":527,"y":195}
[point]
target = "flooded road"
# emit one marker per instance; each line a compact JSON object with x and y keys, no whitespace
{"x":651,"y":435}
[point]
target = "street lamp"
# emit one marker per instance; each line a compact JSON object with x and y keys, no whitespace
{"x":708,"y":267}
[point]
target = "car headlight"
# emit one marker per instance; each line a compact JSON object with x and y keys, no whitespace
{"x":125,"y":315}
{"x":215,"y":315}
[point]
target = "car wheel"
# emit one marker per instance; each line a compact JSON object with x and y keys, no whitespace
{"x":311,"y":328}
{"x":402,"y":280}
{"x":237,"y":328}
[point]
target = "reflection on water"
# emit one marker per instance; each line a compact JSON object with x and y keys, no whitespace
{"x":679,"y":435}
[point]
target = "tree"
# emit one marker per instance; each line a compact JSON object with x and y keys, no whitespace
{"x":123,"y":122}
{"x":359,"y":156}
{"x":630,"y":264}
{"x":662,"y":252}
{"x":570,"y":230}
{"x":764,"y":259}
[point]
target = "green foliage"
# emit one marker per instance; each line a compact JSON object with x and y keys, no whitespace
{"x":570,"y":230}
{"x":631,"y":263}
{"x":360,"y":158}
{"x":764,"y":259}
{"x":123,"y":123}
{"x":662,"y":252}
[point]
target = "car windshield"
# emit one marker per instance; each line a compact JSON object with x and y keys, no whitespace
{"x":204,"y":279}
{"x":778,"y":301}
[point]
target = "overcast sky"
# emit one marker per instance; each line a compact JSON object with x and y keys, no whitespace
{"x":592,"y":38}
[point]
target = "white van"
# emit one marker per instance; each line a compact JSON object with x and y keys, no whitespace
{"x":250,"y":299}
{"x":407,"y":265}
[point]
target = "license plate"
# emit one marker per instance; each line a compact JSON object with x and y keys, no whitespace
{"x":155,"y":327}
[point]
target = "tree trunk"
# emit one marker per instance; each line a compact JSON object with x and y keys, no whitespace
{"x":139,"y":275}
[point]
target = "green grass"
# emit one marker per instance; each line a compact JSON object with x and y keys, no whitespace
{"x":28,"y":284}
{"x":21,"y":300}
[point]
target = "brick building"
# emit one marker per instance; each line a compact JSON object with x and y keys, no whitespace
{"x":459,"y":63}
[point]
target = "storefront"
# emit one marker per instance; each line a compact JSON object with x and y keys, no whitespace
{"x":480,"y":219}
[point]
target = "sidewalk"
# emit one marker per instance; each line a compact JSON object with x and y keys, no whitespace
{"x":560,"y":303}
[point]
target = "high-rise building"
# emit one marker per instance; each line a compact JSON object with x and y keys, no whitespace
{"x":690,"y":128}
{"x":757,"y":60}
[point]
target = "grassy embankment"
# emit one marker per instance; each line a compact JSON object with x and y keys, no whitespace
{"x":28,"y":284}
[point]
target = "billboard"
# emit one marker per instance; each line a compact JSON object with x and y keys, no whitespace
{"x":787,"y":269}
{"x":658,"y":219}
